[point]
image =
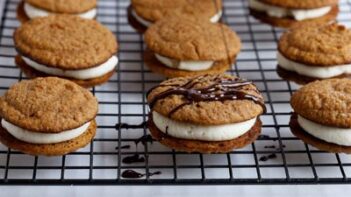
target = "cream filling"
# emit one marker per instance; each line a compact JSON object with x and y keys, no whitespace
{"x":297,"y":14}
{"x":83,"y":74}
{"x":312,"y":71}
{"x":201,"y":132}
{"x":184,"y":65}
{"x":335,"y":135}
{"x":43,"y":138}
{"x":146,"y":23}
{"x":33,"y":12}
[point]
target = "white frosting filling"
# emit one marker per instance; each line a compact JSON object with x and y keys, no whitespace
{"x":83,"y":74}
{"x":43,"y":138}
{"x":146,"y":23}
{"x":184,"y":65}
{"x":297,"y":14}
{"x":33,"y":12}
{"x":201,"y":132}
{"x":335,"y":135}
{"x":312,"y":71}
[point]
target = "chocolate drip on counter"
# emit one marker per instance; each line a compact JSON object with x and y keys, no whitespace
{"x":222,"y":90}
{"x":131,"y":174}
{"x":136,"y":158}
{"x":264,"y":137}
{"x":268,"y":157}
{"x":144,"y":139}
{"x":123,"y":147}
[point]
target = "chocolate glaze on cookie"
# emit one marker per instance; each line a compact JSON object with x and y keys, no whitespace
{"x":220,"y":90}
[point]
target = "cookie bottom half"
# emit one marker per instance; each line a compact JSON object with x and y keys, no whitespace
{"x":205,"y":146}
{"x":55,"y":149}
{"x":309,"y":139}
{"x":288,"y":22}
{"x":301,"y":79}
{"x":32,"y":73}
{"x":140,"y":28}
{"x":155,"y":66}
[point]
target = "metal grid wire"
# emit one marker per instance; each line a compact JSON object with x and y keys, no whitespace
{"x":277,"y":157}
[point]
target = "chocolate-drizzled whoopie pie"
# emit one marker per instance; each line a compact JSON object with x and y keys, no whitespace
{"x":289,"y":12}
{"x":47,"y":116}
{"x":181,"y":46}
{"x":322,"y":115}
{"x":30,"y":9}
{"x":315,"y":51}
{"x":143,"y":13}
{"x":206,"y":114}
{"x":67,"y":46}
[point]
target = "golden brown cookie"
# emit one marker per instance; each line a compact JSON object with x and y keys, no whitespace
{"x":322,"y":114}
{"x":309,"y":139}
{"x":205,"y":112}
{"x":325,"y":102}
{"x":67,"y":43}
{"x":73,"y":7}
{"x":191,"y":146}
{"x":186,"y":103}
{"x":152,"y":11}
{"x":287,"y":22}
{"x":317,"y":45}
{"x":32,"y":73}
{"x":47,"y":106}
{"x":55,"y":149}
{"x":191,"y":39}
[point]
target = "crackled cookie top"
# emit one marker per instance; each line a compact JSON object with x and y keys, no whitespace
{"x":301,"y":4}
{"x":48,"y":105}
{"x":317,"y":45}
{"x":66,"y":42}
{"x":192,"y":39}
{"x":327,"y":102}
{"x":64,"y":6}
{"x":154,"y":10}
{"x":207,"y":100}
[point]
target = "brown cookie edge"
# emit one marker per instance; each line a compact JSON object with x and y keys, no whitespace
{"x":32,"y":73}
{"x":301,"y":79}
{"x":21,"y":15}
{"x":140,"y":28}
{"x":56,"y":149}
{"x":157,"y":67}
{"x":191,"y":146}
{"x":288,"y":22}
{"x":309,"y":139}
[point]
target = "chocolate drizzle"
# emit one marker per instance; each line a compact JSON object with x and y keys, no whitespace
{"x":221,"y":90}
{"x":131,"y":174}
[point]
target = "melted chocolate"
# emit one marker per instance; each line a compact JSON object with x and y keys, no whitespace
{"x":131,"y":174}
{"x":221,"y":90}
{"x":144,"y":139}
{"x":268,"y":157}
{"x":124,"y":147}
{"x":136,"y":158}
{"x":263,"y":137}
{"x":128,"y":126}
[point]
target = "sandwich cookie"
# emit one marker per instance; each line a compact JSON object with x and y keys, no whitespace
{"x":181,"y":46}
{"x":81,"y":50}
{"x":322,"y":115}
{"x":47,"y":116}
{"x":29,"y":9}
{"x":307,"y":53}
{"x":288,"y":12}
{"x":143,"y":13}
{"x":206,"y":114}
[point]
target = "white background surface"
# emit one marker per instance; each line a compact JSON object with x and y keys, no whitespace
{"x":308,"y":190}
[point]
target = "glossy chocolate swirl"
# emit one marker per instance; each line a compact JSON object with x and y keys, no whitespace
{"x":221,"y":89}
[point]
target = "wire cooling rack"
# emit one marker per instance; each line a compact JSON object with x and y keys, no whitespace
{"x":277,"y":157}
